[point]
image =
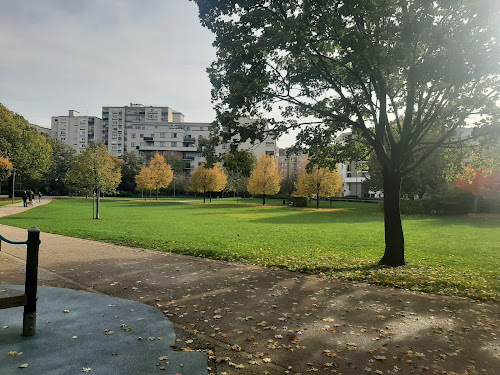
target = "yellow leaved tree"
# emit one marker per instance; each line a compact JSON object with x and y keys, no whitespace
{"x":95,"y":172}
{"x":162,"y":174}
{"x":157,"y":175}
{"x":265,"y":179}
{"x":5,"y":169}
{"x":321,"y":182}
{"x":144,"y":180}
{"x":208,"y":179}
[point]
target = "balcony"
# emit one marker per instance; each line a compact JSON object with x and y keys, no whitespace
{"x":355,"y":179}
{"x":148,"y":139}
{"x":188,"y":158}
{"x":189,"y":139}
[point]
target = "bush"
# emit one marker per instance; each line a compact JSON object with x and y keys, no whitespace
{"x":299,"y":201}
{"x":489,"y":205}
{"x":124,"y":193}
{"x":448,"y":201}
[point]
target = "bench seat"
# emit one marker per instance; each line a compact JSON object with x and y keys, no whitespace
{"x":12,"y":298}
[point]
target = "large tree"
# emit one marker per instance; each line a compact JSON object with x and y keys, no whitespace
{"x":95,"y":172}
{"x":321,"y":182}
{"x":63,"y":158}
{"x":208,"y":179}
{"x":161,"y":172}
{"x":131,"y":167}
{"x":360,"y":64}
{"x":265,"y":179}
{"x":27,"y":149}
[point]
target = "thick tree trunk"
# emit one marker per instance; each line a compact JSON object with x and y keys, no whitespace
{"x":204,"y":193}
{"x":394,"y":240}
{"x":264,"y":200}
{"x":317,"y":200}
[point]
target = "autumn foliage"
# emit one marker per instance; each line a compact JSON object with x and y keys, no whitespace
{"x":322,"y":182}
{"x":479,"y":182}
{"x":157,"y":175}
{"x":5,"y":168}
{"x":208,"y":179}
{"x":265,"y":179}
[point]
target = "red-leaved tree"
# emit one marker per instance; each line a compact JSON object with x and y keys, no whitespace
{"x":480,"y":182}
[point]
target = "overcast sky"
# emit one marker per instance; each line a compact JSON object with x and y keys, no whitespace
{"x":85,"y":54}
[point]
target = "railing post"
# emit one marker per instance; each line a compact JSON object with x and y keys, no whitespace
{"x":29,"y":319}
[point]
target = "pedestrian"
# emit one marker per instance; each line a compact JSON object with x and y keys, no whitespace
{"x":30,"y":199}
{"x":39,"y":196}
{"x":25,"y":198}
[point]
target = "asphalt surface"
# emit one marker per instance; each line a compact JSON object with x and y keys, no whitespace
{"x":253,"y":320}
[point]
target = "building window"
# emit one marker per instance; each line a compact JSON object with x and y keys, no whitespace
{"x":141,"y":135}
{"x":173,"y":144}
{"x":174,"y":135}
{"x":132,"y":144}
{"x":163,"y":144}
{"x":172,"y":153}
{"x":133,"y":135}
{"x":163,"y":135}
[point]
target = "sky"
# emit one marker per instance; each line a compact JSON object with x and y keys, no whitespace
{"x":59,"y":55}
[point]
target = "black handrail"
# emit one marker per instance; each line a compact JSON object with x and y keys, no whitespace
{"x":13,"y":242}
{"x":31,"y":283}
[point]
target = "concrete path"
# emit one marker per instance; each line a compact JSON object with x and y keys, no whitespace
{"x":263,"y":321}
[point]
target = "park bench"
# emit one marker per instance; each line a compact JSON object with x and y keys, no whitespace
{"x":27,"y":298}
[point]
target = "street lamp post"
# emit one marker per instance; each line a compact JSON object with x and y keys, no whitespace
{"x":13,"y":184}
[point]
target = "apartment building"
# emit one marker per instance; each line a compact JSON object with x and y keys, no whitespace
{"x":355,"y":174}
{"x":76,"y":130}
{"x":290,"y":166}
{"x":146,"y":131}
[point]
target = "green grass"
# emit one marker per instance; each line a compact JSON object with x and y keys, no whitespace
{"x":7,"y":201}
{"x":446,"y":255}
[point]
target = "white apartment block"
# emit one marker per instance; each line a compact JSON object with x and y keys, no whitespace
{"x":76,"y":130}
{"x":354,"y":175}
{"x":146,"y":131}
{"x":268,"y":146}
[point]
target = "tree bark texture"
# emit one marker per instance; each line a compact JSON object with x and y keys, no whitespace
{"x":394,"y":254}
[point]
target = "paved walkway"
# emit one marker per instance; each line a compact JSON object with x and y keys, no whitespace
{"x":264,"y":321}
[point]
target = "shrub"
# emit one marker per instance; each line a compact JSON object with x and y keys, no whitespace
{"x":299,"y":201}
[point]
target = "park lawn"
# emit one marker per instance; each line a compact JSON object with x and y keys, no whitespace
{"x":7,"y":201}
{"x":446,"y":255}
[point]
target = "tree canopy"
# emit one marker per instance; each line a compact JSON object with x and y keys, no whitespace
{"x":132,"y":164}
{"x":322,"y":182}
{"x":63,"y":158}
{"x":265,"y":179}
{"x":327,"y":65}
{"x":95,"y":171}
{"x":208,"y":179}
{"x":27,"y":149}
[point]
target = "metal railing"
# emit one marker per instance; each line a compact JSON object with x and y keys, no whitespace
{"x":31,"y":283}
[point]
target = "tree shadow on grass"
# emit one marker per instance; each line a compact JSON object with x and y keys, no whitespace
{"x":317,"y":217}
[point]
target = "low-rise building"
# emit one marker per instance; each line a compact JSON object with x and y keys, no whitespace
{"x":354,"y":175}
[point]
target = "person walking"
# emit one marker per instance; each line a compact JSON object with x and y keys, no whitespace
{"x":25,"y":198}
{"x":39,"y":196}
